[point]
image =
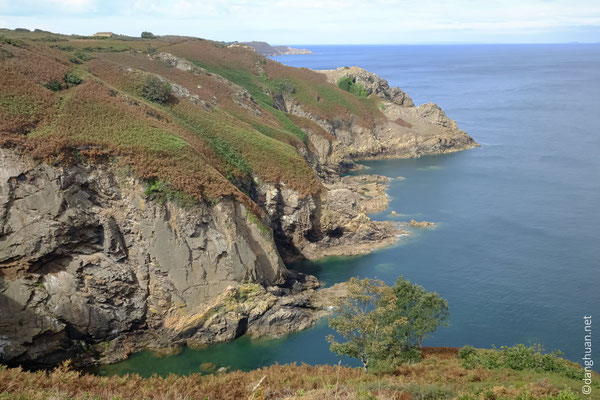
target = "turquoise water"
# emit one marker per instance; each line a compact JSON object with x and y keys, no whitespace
{"x":516,"y":251}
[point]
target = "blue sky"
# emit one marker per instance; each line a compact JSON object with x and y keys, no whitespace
{"x":320,"y":22}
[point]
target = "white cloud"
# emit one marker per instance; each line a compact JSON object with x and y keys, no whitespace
{"x":316,"y":21}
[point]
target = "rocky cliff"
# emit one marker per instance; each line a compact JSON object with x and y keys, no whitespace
{"x":406,"y":131}
{"x":129,"y":224}
{"x":84,"y":257}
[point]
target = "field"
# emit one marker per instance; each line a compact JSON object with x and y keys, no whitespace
{"x":440,"y":375}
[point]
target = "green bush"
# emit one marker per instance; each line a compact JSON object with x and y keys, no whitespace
{"x":12,"y":41}
{"x":282,"y":86}
{"x":148,"y":35}
{"x":75,"y":60}
{"x":466,"y":352}
{"x":349,"y":84}
{"x":54,"y":85}
{"x":150,"y":50}
{"x":64,"y":47}
{"x":82,"y":55}
{"x":519,"y":357}
{"x":72,"y":78}
{"x":156,"y":90}
{"x":564,"y":394}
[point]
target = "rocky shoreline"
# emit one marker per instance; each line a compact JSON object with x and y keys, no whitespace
{"x":93,"y":268}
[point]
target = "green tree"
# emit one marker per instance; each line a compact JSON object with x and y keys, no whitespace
{"x":148,"y":35}
{"x":155,"y":89}
{"x":385,"y":325}
{"x":424,"y":312}
{"x":366,"y":320}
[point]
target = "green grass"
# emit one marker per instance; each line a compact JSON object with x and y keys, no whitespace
{"x":17,"y":105}
{"x":258,"y":86}
{"x":103,"y":123}
{"x":257,"y":222}
{"x":328,"y":98}
{"x":208,"y":128}
{"x":289,"y":126}
{"x":161,"y":192}
{"x":349,"y":84}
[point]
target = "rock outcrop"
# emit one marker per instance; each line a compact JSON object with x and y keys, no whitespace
{"x":421,"y":224}
{"x":371,"y":82}
{"x":405,"y":131}
{"x":85,"y":258}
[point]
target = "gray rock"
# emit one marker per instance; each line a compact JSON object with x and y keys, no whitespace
{"x":85,"y":258}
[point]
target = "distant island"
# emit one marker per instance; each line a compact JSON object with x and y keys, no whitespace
{"x":267,"y":50}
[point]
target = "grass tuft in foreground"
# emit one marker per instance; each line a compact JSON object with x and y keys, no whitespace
{"x":440,"y":375}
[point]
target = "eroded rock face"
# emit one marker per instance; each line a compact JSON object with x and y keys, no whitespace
{"x":373,"y":83}
{"x":403,"y":131}
{"x":85,"y":258}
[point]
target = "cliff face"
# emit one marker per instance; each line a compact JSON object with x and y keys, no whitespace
{"x":406,"y":131}
{"x":84,"y":257}
{"x":93,"y":265}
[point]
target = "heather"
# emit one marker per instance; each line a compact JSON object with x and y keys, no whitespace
{"x":191,"y":129}
{"x":439,"y":375}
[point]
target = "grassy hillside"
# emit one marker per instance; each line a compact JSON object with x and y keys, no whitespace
{"x":70,"y":96}
{"x":440,"y":375}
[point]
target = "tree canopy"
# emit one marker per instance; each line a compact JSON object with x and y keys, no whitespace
{"x":385,"y":325}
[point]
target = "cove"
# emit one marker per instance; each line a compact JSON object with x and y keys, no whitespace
{"x":516,"y":250}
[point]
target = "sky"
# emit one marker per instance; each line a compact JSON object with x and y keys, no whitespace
{"x":319,"y":21}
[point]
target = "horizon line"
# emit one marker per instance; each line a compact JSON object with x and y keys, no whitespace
{"x":343,"y":44}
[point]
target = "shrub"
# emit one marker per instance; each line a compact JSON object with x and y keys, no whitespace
{"x":54,"y":85}
{"x":518,"y":358}
{"x":148,"y":35}
{"x":349,"y":84}
{"x":62,"y":47}
{"x":12,"y":41}
{"x":466,"y":352}
{"x":565,"y":394}
{"x":156,"y":90}
{"x":82,"y":55}
{"x":75,"y":60}
{"x":283,"y":86}
{"x":150,"y":50}
{"x":72,"y":78}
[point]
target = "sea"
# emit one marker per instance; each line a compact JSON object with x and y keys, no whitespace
{"x":516,"y":250}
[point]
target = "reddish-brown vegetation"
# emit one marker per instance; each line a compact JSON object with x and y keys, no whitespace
{"x":204,"y":143}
